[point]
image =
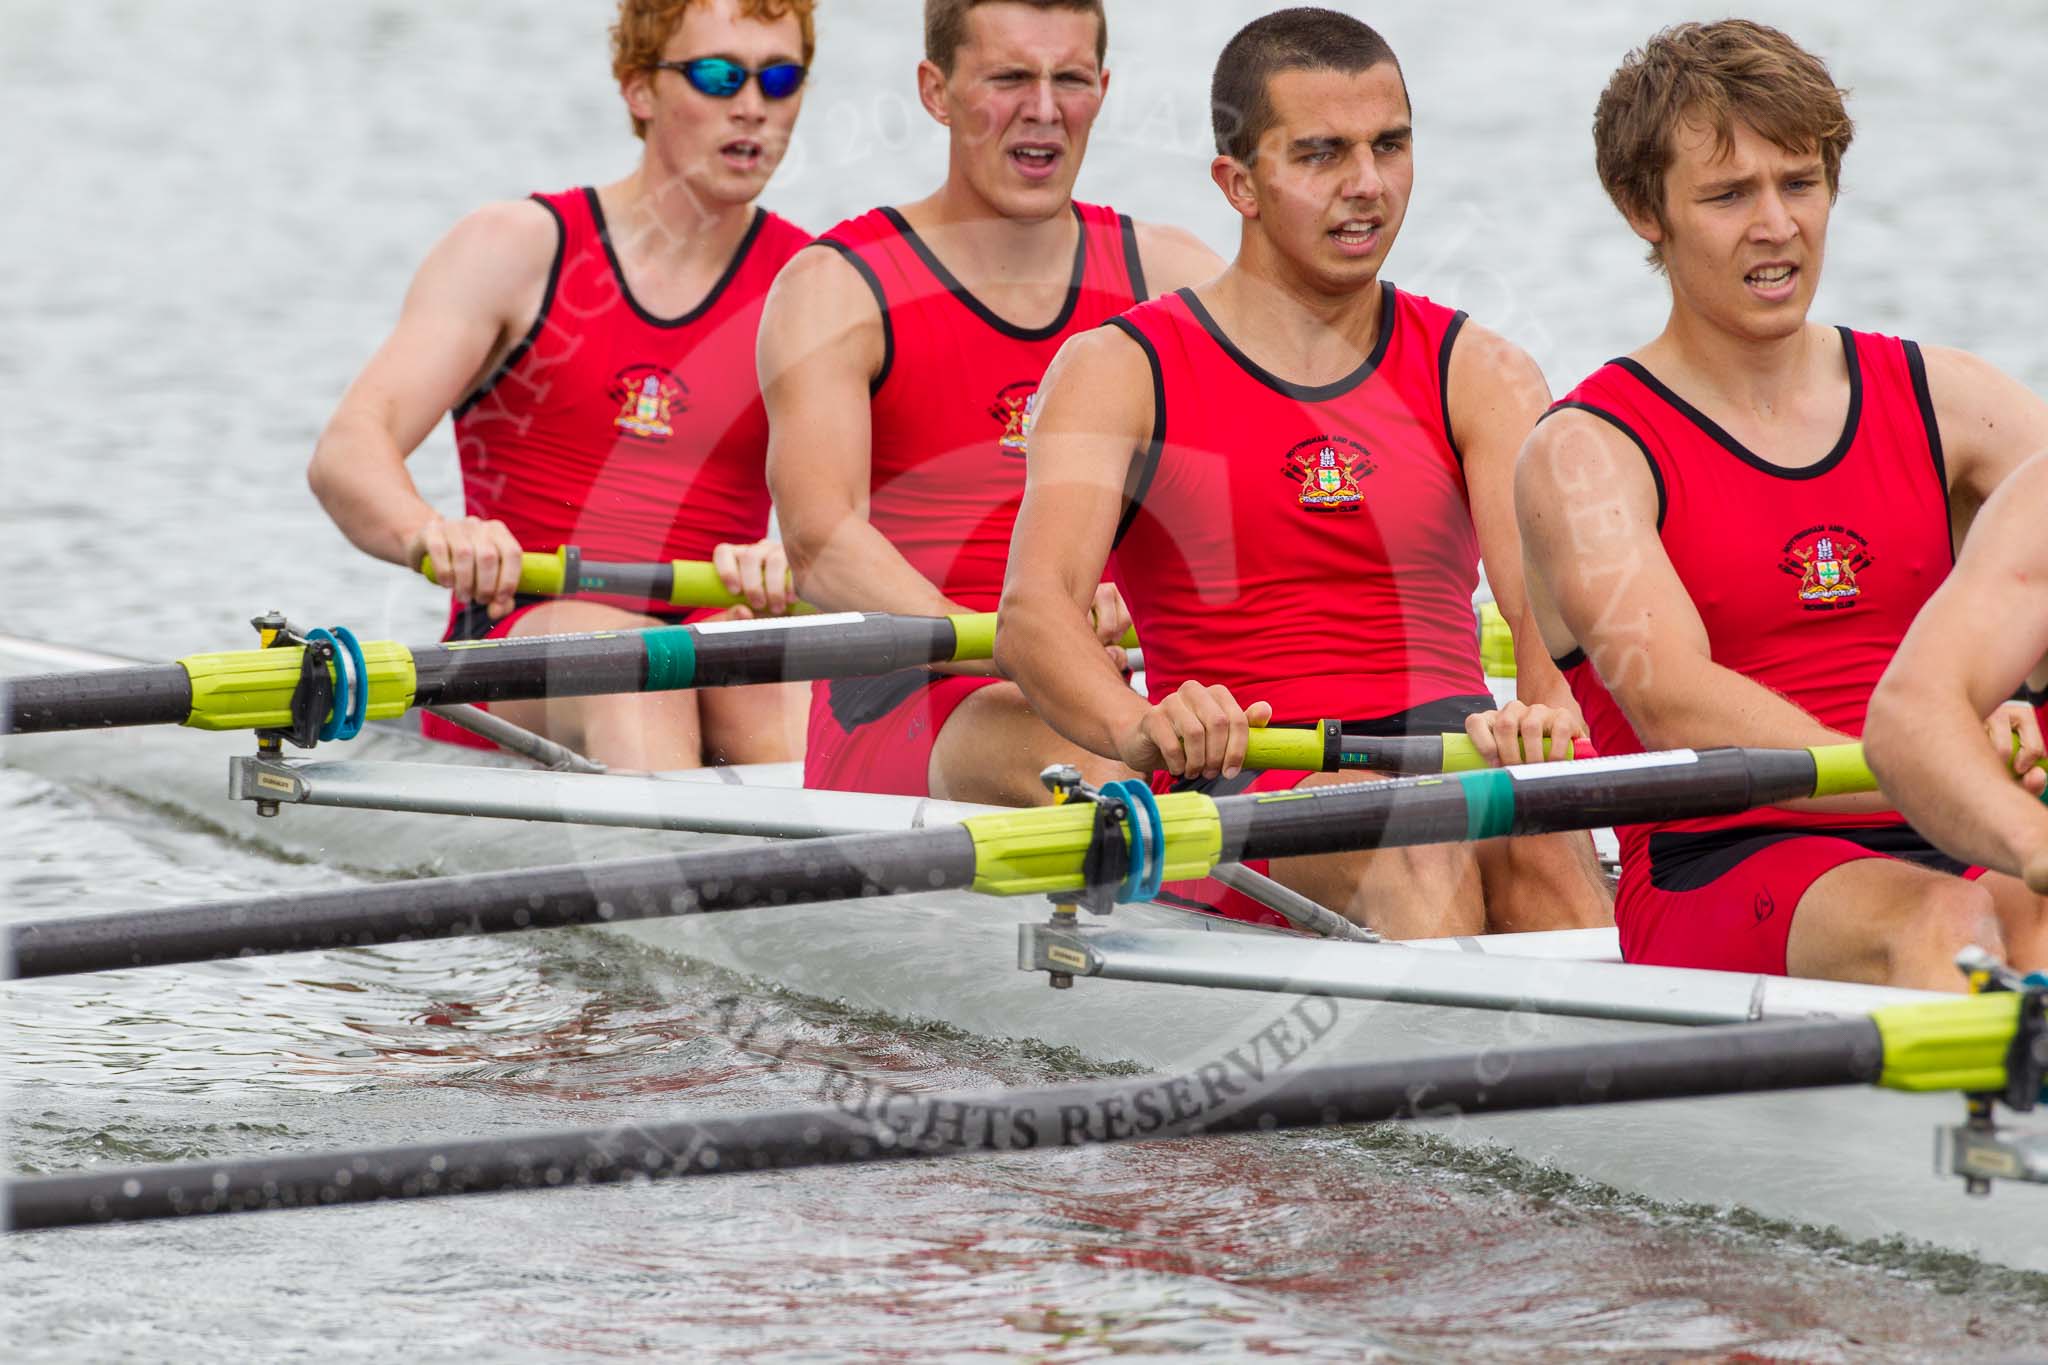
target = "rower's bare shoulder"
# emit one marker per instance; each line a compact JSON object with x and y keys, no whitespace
{"x":1988,"y":421}
{"x":1480,"y":352}
{"x":1967,"y":386}
{"x":1576,"y":455}
{"x":520,"y":235}
{"x":1492,"y":379}
{"x":821,"y":298}
{"x":1104,"y":360}
{"x":1173,"y":258}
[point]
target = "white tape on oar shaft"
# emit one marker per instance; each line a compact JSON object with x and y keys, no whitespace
{"x":780,"y":623}
{"x":1584,"y":767}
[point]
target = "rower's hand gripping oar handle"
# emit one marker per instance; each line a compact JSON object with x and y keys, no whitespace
{"x":679,"y":582}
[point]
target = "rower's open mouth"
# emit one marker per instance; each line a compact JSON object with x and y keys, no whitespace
{"x":1772,"y":277}
{"x":1036,"y":159}
{"x":743,"y":152}
{"x":1357,"y":234}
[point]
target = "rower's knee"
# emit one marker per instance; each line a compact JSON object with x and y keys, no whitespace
{"x":1950,"y":916}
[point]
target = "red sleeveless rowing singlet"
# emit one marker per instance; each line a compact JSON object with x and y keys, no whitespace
{"x":949,"y":407}
{"x":1806,"y":579}
{"x":633,"y":437}
{"x":1308,"y":547}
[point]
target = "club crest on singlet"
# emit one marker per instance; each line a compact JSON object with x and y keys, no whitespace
{"x":1016,"y":407}
{"x":649,"y":399}
{"x":1327,"y":470}
{"x":1827,"y":561}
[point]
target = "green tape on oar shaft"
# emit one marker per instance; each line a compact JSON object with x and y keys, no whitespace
{"x":1489,"y":804}
{"x":671,"y":658}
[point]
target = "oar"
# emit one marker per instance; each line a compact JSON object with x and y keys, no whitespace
{"x":1011,"y":853}
{"x":679,"y":582}
{"x":1949,"y":1045}
{"x":254,"y":689}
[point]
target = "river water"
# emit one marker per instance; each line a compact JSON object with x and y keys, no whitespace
{"x":214,"y":208}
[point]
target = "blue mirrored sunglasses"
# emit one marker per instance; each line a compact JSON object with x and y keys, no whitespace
{"x":722,"y":78}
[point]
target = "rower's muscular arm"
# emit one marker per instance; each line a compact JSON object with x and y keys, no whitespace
{"x":1094,"y":416}
{"x":1598,"y":579}
{"x":822,"y":344}
{"x":474,"y":296}
{"x":1173,"y":258}
{"x":1973,"y":643}
{"x":1496,"y":393}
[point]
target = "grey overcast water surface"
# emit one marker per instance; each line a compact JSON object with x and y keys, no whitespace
{"x":213,"y":209}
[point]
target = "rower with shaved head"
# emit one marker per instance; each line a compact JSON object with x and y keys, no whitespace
{"x":1293,"y":471}
{"x":1731,"y":528}
{"x":900,"y":359}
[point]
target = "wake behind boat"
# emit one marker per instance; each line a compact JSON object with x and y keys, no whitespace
{"x":951,"y":957}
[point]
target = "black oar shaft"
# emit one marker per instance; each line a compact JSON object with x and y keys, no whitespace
{"x":703,"y":882}
{"x":1499,"y":802}
{"x":634,"y":661}
{"x":1364,"y":816}
{"x":1249,"y":1090}
{"x":254,"y":689}
{"x":148,"y":694}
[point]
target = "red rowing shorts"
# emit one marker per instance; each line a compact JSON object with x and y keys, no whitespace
{"x":1726,"y":902}
{"x":877,"y":734}
{"x":472,"y":622}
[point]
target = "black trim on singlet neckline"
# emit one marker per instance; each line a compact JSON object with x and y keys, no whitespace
{"x":1157,"y":446}
{"x":1133,"y":263}
{"x":732,"y":267}
{"x":540,"y":319}
{"x":1916,"y":366}
{"x":1713,"y":429}
{"x":1301,"y":393}
{"x":867,"y":272}
{"x":1656,"y":474}
{"x":1443,"y":380}
{"x":1570,"y":661}
{"x":966,"y":297}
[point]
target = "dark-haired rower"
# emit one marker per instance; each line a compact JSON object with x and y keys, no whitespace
{"x":1293,"y":472}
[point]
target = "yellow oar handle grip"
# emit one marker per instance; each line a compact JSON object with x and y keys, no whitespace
{"x":974,"y":637}
{"x":540,"y":575}
{"x":1840,"y":770}
{"x":1461,"y":755}
{"x":697,"y":584}
{"x":690,"y":582}
{"x":1295,"y":750}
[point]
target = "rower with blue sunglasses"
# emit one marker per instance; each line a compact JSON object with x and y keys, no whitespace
{"x":596,"y":349}
{"x":899,"y":360}
{"x":722,"y":77}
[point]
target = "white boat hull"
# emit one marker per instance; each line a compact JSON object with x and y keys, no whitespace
{"x":1857,"y":1159}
